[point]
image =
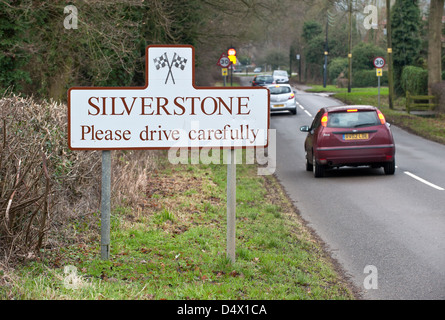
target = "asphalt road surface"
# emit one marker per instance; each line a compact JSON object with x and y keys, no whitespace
{"x":388,"y":232}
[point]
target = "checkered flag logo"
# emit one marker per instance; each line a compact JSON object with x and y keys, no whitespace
{"x":161,"y":61}
{"x":177,"y":62}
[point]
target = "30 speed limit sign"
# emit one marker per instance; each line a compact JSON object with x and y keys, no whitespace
{"x":379,"y":62}
{"x":223,"y":61}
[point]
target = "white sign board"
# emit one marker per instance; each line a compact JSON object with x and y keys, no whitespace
{"x":169,"y":111}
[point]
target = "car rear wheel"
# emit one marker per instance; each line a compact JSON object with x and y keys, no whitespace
{"x":389,"y":167}
{"x":318,"y":169}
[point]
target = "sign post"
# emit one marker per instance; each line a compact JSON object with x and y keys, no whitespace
{"x":105,"y":208}
{"x":379,"y":75}
{"x":224,"y":62}
{"x":231,"y":205}
{"x":379,"y":63}
{"x":168,"y":113}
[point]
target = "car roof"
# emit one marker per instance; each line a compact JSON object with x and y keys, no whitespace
{"x":347,"y":107}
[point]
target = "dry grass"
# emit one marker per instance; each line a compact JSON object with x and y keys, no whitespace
{"x":44,"y":184}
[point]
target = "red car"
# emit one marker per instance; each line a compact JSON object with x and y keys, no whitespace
{"x":349,"y":136}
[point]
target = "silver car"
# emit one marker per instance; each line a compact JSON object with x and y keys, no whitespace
{"x":282,"y":98}
{"x":280,"y":76}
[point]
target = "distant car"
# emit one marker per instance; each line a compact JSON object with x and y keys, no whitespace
{"x":262,"y":80}
{"x":238,"y":68}
{"x":257,"y":70}
{"x":280,"y":76}
{"x":282,"y":98}
{"x":349,"y":136}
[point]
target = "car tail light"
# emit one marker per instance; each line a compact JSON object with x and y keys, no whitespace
{"x":381,"y":117}
{"x":324,"y":120}
{"x":352,"y":110}
{"x":291,"y":96}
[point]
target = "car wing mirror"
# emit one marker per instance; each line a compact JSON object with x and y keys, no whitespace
{"x":305,"y":129}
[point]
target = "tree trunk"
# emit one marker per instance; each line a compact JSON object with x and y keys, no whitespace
{"x":435,"y":43}
{"x":390,"y":63}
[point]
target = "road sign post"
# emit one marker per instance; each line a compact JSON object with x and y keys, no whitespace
{"x":379,"y":63}
{"x":379,"y":73}
{"x":169,"y":112}
{"x":105,"y":208}
{"x":224,"y":62}
{"x":231,"y":205}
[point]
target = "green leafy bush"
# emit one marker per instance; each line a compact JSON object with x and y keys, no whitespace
{"x":336,"y":67}
{"x":368,"y":78}
{"x":414,"y":80}
{"x":363,"y":56}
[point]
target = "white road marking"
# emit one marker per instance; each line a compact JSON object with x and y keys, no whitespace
{"x":424,"y":181}
{"x":307,"y":112}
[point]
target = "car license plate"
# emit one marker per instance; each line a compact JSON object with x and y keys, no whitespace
{"x":278,"y":106}
{"x":356,"y":136}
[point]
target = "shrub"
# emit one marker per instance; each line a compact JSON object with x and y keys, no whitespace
{"x":43,"y":184}
{"x":336,"y":67}
{"x":363,"y":55}
{"x":414,"y":80}
{"x":368,"y":78}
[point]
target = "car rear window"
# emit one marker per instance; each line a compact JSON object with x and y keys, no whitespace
{"x":353,"y":119}
{"x":280,"y":73}
{"x":279,"y":90}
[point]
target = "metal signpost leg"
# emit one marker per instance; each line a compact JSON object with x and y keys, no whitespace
{"x":231,"y":205}
{"x":379,"y":91}
{"x":105,"y":205}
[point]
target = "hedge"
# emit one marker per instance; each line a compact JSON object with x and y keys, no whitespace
{"x":368,"y":78}
{"x":414,"y":80}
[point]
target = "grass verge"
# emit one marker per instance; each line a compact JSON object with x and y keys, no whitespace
{"x":432,"y":128}
{"x":173,"y":247}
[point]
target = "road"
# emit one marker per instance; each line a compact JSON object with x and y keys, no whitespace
{"x":395,"y":224}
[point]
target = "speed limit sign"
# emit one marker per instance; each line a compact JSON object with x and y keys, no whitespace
{"x":223,"y":61}
{"x":379,"y":62}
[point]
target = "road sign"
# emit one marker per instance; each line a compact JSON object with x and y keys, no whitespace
{"x":224,"y":71}
{"x":379,"y":62}
{"x":379,"y":72}
{"x":223,"y":61}
{"x":169,"y":112}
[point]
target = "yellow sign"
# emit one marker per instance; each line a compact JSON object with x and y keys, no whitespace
{"x":379,"y":72}
{"x":233,"y":59}
{"x":389,"y":50}
{"x":224,"y":71}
